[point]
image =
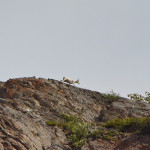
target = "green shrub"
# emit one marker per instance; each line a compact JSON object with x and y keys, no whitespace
{"x":52,"y":123}
{"x":110,"y":97}
{"x":121,"y":124}
{"x":139,"y":98}
{"x":140,"y":125}
{"x":78,"y":129}
{"x":104,"y":134}
{"x":147,"y":98}
{"x":96,"y":134}
{"x":136,"y":97}
{"x":70,"y":118}
{"x":143,"y":125}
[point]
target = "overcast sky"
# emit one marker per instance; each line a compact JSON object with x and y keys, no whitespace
{"x":104,"y":43}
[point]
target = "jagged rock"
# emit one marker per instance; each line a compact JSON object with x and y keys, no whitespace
{"x":27,"y":103}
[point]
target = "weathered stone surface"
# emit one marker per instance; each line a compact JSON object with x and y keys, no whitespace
{"x":26,"y":103}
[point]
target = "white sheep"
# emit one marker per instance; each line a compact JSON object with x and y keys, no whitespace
{"x":70,"y":81}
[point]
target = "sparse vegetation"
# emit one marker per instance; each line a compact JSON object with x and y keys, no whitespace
{"x":52,"y":123}
{"x":78,"y":131}
{"x":77,"y":128}
{"x":110,"y":97}
{"x":104,"y":134}
{"x":139,"y":98}
{"x":130,"y":124}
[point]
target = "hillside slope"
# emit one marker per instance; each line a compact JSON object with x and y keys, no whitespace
{"x":27,"y":103}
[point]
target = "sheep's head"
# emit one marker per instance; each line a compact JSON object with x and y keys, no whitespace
{"x":77,"y":81}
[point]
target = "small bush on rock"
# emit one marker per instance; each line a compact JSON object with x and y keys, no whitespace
{"x":110,"y":97}
{"x":104,"y":134}
{"x":130,"y":124}
{"x":77,"y":128}
{"x":139,"y":98}
{"x":52,"y":123}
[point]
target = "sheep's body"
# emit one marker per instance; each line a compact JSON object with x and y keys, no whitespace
{"x":70,"y":81}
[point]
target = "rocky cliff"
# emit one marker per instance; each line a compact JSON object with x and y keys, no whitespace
{"x":26,"y":104}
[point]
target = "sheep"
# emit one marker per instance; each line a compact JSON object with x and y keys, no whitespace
{"x":70,"y":81}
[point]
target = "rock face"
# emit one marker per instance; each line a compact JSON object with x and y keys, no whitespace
{"x":27,"y":103}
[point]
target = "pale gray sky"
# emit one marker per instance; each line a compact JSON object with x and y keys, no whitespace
{"x":105,"y":43}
